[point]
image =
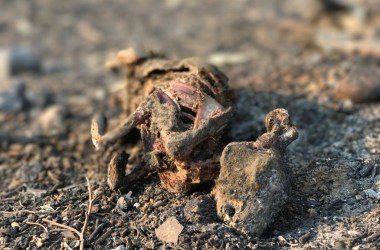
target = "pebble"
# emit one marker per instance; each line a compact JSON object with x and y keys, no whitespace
{"x":124,"y":203}
{"x":149,"y":245}
{"x":224,"y":58}
{"x":282,"y":240}
{"x":169,"y":230}
{"x":121,"y":247}
{"x":18,"y":60}
{"x":38,"y":241}
{"x":372,"y":194}
{"x":358,"y":197}
{"x":304,"y":238}
{"x":312,"y":212}
{"x":15,"y":225}
{"x":51,"y":120}
{"x":360,"y":86}
{"x":157,"y":204}
{"x":353,"y":233}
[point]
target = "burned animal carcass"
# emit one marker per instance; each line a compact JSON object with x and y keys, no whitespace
{"x":182,"y":111}
{"x":182,"y":108}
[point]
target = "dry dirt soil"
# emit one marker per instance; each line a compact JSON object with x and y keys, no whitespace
{"x":292,"y":54}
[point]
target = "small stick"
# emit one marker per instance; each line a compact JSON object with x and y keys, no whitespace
{"x":37,"y":224}
{"x":62,"y":226}
{"x":17,"y":212}
{"x":104,"y":237}
{"x":88,"y":212}
{"x":96,"y":231}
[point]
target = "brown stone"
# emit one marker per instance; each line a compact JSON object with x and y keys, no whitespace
{"x":169,"y":230}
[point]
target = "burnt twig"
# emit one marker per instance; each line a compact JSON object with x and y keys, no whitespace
{"x":96,"y":231}
{"x":18,"y":212}
{"x":37,"y":224}
{"x":104,"y":237}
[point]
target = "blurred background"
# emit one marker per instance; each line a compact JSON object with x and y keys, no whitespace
{"x":260,"y":35}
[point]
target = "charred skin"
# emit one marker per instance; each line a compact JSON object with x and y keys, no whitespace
{"x":183,"y":134}
{"x":181,"y":108}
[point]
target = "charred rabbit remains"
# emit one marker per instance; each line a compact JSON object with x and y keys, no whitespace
{"x":182,"y":108}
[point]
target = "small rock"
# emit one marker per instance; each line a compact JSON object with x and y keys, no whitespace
{"x":282,"y":240}
{"x":220,"y":59}
{"x":121,"y":247}
{"x":312,"y":212}
{"x":201,"y":209}
{"x":304,"y":238}
{"x":95,"y":209}
{"x":15,"y":225}
{"x":358,"y":197}
{"x":169,"y":230}
{"x":124,"y":203}
{"x":38,"y":241}
{"x":157,"y":204}
{"x":149,"y":245}
{"x":360,"y":86}
{"x":18,"y":60}
{"x":353,"y":233}
{"x":23,"y":60}
{"x":51,"y":120}
{"x":372,"y":193}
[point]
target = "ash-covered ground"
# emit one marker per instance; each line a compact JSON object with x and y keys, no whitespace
{"x":319,"y":61}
